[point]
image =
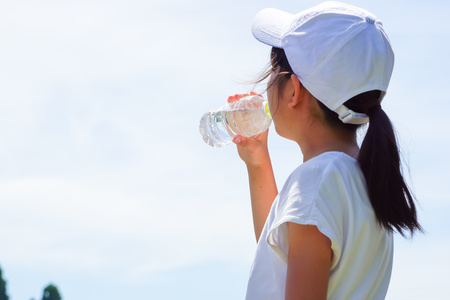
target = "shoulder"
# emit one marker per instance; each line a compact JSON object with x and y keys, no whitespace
{"x":328,"y":160}
{"x":325,"y":185}
{"x":325,"y":168}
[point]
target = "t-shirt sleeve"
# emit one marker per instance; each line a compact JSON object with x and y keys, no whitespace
{"x":308,"y":198}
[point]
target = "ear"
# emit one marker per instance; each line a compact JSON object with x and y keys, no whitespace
{"x":297,"y":90}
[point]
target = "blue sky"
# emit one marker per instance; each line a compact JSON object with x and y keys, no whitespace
{"x":106,"y":187}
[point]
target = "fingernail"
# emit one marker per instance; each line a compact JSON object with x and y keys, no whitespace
{"x":237,"y":140}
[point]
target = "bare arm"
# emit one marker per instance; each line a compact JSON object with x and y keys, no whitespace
{"x":263,"y":188}
{"x":263,"y":191}
{"x":309,"y":261}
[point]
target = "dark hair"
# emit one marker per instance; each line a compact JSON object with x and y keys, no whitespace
{"x":379,"y":157}
{"x":278,"y":62}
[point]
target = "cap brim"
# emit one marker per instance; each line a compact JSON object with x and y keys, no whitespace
{"x":270,"y":25}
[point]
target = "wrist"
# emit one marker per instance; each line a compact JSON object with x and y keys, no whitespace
{"x":259,"y":165}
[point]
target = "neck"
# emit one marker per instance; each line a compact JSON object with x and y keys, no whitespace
{"x":321,"y":139}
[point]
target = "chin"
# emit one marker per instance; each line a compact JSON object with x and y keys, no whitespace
{"x":280,"y":133}
{"x":284,"y":134}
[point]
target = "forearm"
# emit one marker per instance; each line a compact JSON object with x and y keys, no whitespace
{"x":263,"y":190}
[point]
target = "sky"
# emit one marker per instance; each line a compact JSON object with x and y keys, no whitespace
{"x":107,"y":189}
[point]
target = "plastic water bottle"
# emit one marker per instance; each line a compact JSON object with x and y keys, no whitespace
{"x":248,"y":117}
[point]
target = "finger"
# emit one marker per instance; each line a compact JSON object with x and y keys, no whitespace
{"x":236,"y":97}
{"x":233,"y":98}
{"x":242,"y":95}
{"x":245,"y":142}
{"x":255,"y":94}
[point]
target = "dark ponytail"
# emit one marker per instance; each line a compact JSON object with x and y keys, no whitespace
{"x":379,"y":159}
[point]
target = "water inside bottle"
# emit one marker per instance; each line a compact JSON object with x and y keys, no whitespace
{"x":219,"y":127}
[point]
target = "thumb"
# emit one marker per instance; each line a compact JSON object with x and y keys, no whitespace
{"x":239,"y":140}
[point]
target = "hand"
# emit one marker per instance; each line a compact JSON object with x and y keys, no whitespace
{"x":253,"y":151}
{"x":237,"y":97}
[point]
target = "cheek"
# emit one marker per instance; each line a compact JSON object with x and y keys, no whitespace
{"x":272,"y":94}
{"x":278,"y":125}
{"x":272,"y":101}
{"x":271,"y":106}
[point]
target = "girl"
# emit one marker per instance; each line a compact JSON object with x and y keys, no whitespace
{"x":328,"y":233}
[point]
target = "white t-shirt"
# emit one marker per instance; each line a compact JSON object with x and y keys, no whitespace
{"x":328,"y":191}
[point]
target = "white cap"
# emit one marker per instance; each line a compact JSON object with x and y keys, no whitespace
{"x":336,"y":50}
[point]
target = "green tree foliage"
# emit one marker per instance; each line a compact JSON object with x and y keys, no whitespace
{"x":3,"y":295}
{"x":51,"y":293}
